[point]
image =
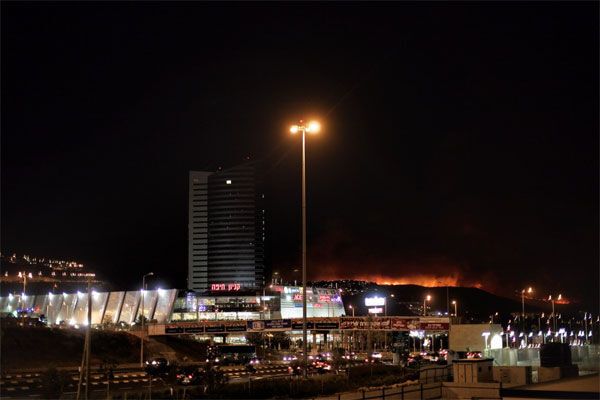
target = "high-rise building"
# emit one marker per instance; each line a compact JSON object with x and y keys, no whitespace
{"x":226,"y":249}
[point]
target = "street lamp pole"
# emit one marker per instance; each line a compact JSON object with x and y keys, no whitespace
{"x":428,"y":298}
{"x":529,"y":290}
{"x":553,"y":314}
{"x":455,"y":305}
{"x":142,"y":318}
{"x":312,"y":127}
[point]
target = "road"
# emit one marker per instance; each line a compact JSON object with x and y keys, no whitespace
{"x":29,"y":385}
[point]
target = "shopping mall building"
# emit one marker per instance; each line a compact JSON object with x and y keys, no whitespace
{"x":163,"y":306}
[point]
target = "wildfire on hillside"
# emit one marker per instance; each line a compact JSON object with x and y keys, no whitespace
{"x":425,"y":280}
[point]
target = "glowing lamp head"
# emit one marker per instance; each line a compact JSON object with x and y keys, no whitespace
{"x":529,"y":290}
{"x":453,"y":301}
{"x":313,"y":127}
{"x":428,"y":298}
{"x":294,"y":129}
{"x":559,"y":297}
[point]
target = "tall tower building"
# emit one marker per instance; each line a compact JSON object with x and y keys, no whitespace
{"x":226,"y":229}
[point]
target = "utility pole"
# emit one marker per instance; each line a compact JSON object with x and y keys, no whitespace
{"x":84,"y":370}
{"x":447,"y":300}
{"x":89,"y":340}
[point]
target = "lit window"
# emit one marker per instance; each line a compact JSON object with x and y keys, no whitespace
{"x":228,"y":181}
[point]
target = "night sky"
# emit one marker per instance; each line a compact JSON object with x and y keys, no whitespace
{"x":459,"y":143}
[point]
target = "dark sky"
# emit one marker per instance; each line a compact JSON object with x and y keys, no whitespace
{"x":460,"y":140}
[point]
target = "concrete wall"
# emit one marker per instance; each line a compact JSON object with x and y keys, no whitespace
{"x":467,"y":337}
{"x":451,"y":390}
{"x":472,"y":371}
{"x":586,"y":357}
{"x":546,"y":374}
{"x":512,"y":376}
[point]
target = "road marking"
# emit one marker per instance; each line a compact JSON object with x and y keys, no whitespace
{"x":10,"y":389}
{"x":95,"y":383}
{"x":14,"y":382}
{"x":8,"y":376}
{"x":29,"y":380}
{"x":127,"y":388}
{"x":144,"y":380}
{"x":125,"y":381}
{"x":24,"y":387}
{"x":19,"y":376}
{"x":135,"y":380}
{"x":28,"y":375}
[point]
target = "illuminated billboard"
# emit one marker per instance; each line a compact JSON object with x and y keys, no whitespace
{"x":374,"y":301}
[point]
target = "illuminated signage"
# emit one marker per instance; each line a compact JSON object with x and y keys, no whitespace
{"x":297,"y":297}
{"x":324,"y":298}
{"x":228,"y":287}
{"x":375,"y":310}
{"x":374,"y":301}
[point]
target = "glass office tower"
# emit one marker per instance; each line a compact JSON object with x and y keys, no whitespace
{"x":226,"y":229}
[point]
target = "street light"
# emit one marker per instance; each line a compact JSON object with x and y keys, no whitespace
{"x":529,"y":290}
{"x":554,"y":315}
{"x":352,"y":308}
{"x":455,"y":305}
{"x":312,"y":127}
{"x":142,"y":318}
{"x":428,"y":298}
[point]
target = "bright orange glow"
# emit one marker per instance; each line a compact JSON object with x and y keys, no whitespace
{"x":425,"y":280}
{"x":294,"y":129}
{"x":313,"y":127}
{"x":422,"y":280}
{"x":560,"y":299}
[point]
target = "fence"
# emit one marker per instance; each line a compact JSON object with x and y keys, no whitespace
{"x":435,"y":374}
{"x":420,"y":391}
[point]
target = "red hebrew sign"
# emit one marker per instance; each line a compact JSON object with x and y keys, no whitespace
{"x":228,"y":287}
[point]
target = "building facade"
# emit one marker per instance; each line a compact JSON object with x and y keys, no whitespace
{"x":226,"y":229}
{"x":172,"y":305}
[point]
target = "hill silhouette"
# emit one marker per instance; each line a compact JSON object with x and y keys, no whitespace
{"x":473,"y":304}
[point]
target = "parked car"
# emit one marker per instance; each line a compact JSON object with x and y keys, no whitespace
{"x":321,"y":367}
{"x":157,"y":366}
{"x":289,"y":358}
